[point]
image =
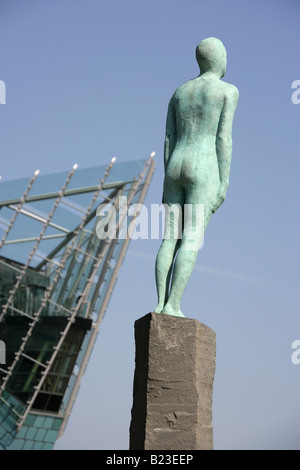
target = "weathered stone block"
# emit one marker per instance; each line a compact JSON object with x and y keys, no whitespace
{"x":173,"y":384}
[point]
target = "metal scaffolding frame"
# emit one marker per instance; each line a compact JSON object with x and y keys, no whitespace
{"x":79,"y":263}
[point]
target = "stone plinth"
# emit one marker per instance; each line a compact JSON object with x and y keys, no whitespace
{"x":173,"y":384}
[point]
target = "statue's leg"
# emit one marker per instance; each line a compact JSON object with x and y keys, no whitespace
{"x":186,"y":258}
{"x":173,"y":199}
{"x":163,"y":271}
{"x":182,"y":271}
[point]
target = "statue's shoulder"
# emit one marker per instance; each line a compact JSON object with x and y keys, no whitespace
{"x":230,"y":91}
{"x":179,"y":91}
{"x":185,"y":88}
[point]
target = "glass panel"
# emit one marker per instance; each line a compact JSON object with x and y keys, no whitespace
{"x":123,"y":171}
{"x":40,"y":347}
{"x":28,"y":296}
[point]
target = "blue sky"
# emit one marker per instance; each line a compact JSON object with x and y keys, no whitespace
{"x":87,"y":80}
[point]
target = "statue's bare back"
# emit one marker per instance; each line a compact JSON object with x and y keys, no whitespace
{"x":195,"y":109}
{"x":197,"y":118}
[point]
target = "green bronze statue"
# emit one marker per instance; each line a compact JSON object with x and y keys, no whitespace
{"x":197,"y":158}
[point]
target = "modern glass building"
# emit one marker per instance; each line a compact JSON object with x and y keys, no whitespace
{"x":63,"y":240}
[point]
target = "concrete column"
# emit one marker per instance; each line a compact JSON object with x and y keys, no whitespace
{"x":173,"y":384}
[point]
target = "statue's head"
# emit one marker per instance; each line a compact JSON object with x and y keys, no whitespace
{"x":211,"y":56}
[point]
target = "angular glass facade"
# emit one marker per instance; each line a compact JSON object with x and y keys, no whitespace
{"x":56,"y":279}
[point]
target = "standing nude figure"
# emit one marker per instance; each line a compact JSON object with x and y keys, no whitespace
{"x":197,"y":157}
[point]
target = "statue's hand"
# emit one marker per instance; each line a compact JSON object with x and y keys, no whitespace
{"x":221,"y":196}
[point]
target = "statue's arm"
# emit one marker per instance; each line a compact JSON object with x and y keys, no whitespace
{"x":170,"y":139}
{"x":224,"y":142}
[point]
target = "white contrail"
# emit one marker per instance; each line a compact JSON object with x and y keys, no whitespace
{"x":206,"y":269}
